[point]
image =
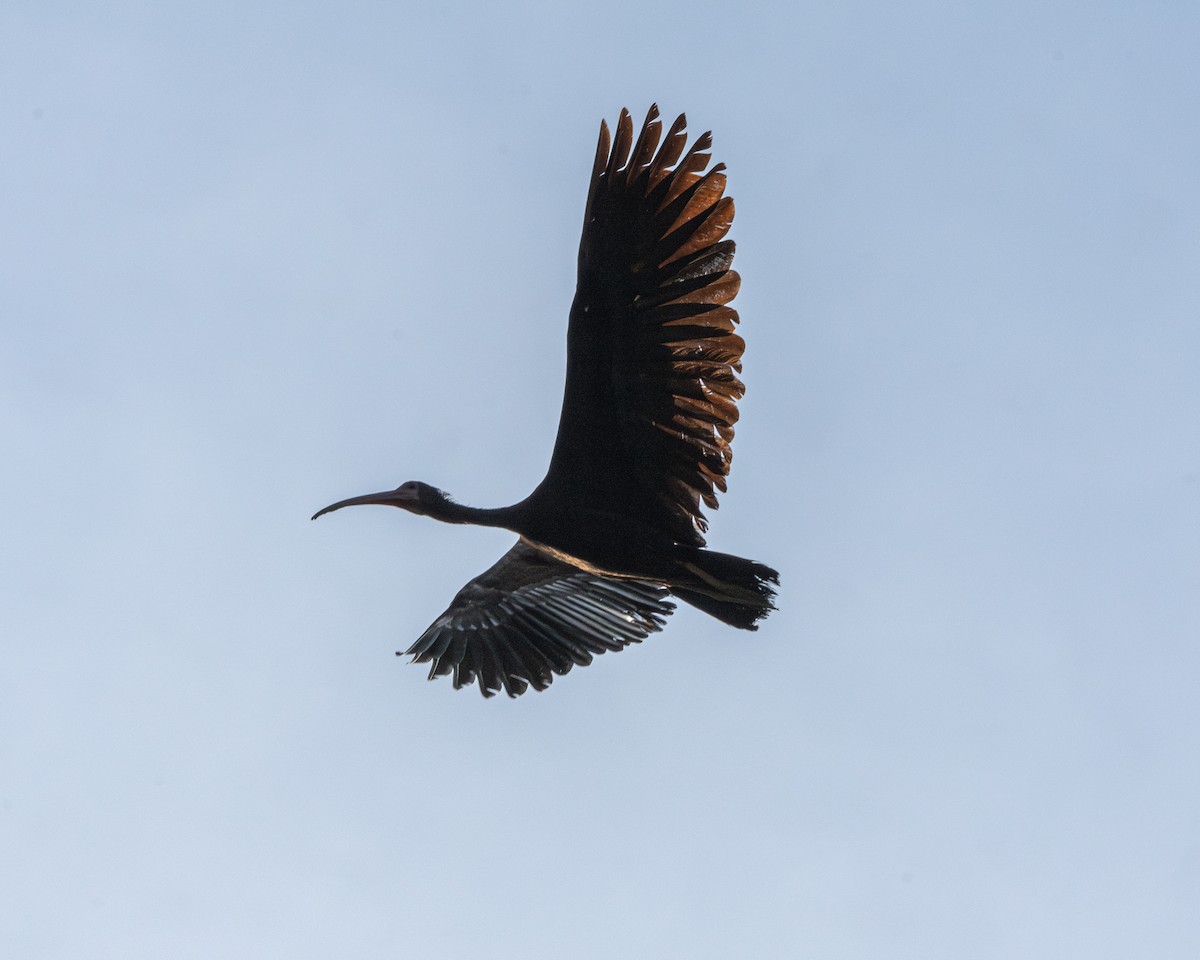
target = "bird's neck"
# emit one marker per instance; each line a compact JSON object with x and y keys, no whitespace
{"x":448,"y":511}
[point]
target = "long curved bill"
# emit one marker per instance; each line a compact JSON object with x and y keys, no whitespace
{"x":390,"y":498}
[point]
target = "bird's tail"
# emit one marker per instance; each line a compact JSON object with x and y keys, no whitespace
{"x":734,"y":590}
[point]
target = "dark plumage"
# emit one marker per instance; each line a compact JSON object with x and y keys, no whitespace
{"x":643,"y":439}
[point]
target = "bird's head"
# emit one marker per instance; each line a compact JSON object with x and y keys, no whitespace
{"x":413,"y":496}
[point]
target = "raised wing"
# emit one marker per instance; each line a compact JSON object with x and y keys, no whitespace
{"x":652,"y":359}
{"x":530,"y":617}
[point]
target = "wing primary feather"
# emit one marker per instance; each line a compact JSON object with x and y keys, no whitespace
{"x":621,"y":142}
{"x":554,"y":659}
{"x":691,"y":199}
{"x":715,"y":260}
{"x":647,"y":142}
{"x":668,"y":153}
{"x":697,"y":233}
{"x":576,"y":653}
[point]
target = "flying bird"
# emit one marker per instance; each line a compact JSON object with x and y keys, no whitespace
{"x":643,"y":440}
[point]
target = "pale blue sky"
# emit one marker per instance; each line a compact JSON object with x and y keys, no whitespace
{"x":259,"y":259}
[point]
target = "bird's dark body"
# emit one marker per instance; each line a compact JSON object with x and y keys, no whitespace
{"x":626,"y":550}
{"x":644,"y":437}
